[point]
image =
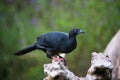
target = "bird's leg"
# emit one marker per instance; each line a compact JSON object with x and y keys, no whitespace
{"x":59,"y":58}
{"x":56,"y":57}
{"x":50,"y":54}
{"x":62,"y":59}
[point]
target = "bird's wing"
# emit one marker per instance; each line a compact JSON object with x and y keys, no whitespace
{"x":42,"y":47}
{"x":52,"y":40}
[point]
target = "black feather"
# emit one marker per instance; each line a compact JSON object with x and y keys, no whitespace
{"x":26,"y":50}
{"x":54,"y":43}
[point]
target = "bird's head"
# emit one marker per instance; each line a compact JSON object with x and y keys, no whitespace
{"x":75,"y":32}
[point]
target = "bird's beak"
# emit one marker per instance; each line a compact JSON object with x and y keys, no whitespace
{"x":81,"y":31}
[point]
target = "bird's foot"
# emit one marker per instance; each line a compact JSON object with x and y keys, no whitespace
{"x":57,"y":59}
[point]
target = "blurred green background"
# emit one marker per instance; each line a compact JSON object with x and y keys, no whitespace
{"x":21,"y":21}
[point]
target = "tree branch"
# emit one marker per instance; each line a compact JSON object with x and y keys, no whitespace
{"x":100,"y":69}
{"x":113,"y":51}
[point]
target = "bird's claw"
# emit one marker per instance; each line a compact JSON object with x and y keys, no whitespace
{"x":59,"y":59}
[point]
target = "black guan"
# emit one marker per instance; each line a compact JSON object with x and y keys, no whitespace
{"x":54,"y":43}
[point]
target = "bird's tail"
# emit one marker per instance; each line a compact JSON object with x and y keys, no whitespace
{"x":26,"y":50}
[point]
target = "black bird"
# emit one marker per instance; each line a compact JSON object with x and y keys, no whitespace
{"x":54,"y":43}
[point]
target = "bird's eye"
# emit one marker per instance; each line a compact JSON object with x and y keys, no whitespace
{"x":75,"y":30}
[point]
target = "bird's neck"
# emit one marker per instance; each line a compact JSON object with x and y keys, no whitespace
{"x":72,"y":39}
{"x":71,"y":43}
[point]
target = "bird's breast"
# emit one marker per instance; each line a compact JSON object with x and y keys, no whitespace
{"x":69,"y":47}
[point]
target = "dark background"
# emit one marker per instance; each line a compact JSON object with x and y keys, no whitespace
{"x":21,"y":21}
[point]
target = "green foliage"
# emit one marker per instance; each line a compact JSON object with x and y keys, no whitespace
{"x":21,"y":21}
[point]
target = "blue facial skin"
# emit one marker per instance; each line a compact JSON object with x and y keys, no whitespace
{"x":80,"y":31}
